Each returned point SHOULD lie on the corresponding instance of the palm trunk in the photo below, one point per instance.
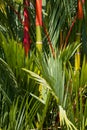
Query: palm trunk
(38, 24)
(78, 35)
(80, 9)
(26, 39)
(77, 54)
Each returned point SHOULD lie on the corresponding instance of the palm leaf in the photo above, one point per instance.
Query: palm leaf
(37, 78)
(5, 67)
(63, 118)
(22, 113)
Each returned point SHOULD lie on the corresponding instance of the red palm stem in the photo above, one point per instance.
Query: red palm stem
(26, 39)
(80, 9)
(38, 12)
(69, 32)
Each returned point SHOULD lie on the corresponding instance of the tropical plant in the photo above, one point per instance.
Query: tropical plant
(52, 80)
(8, 90)
(46, 89)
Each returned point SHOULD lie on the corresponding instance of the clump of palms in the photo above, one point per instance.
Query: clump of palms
(43, 84)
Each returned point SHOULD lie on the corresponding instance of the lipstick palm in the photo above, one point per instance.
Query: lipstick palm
(59, 17)
(80, 9)
(38, 24)
(26, 40)
(80, 15)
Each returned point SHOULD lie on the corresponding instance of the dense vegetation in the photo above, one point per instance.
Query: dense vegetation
(43, 64)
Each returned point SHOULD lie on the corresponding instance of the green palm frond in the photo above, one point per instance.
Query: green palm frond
(56, 20)
(65, 120)
(70, 50)
(8, 89)
(83, 79)
(60, 15)
(14, 53)
(38, 78)
(53, 78)
(4, 67)
(3, 23)
(10, 21)
(55, 75)
(22, 113)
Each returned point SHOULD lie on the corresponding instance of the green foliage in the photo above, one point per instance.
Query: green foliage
(42, 91)
(53, 79)
(22, 113)
(8, 89)
(76, 98)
